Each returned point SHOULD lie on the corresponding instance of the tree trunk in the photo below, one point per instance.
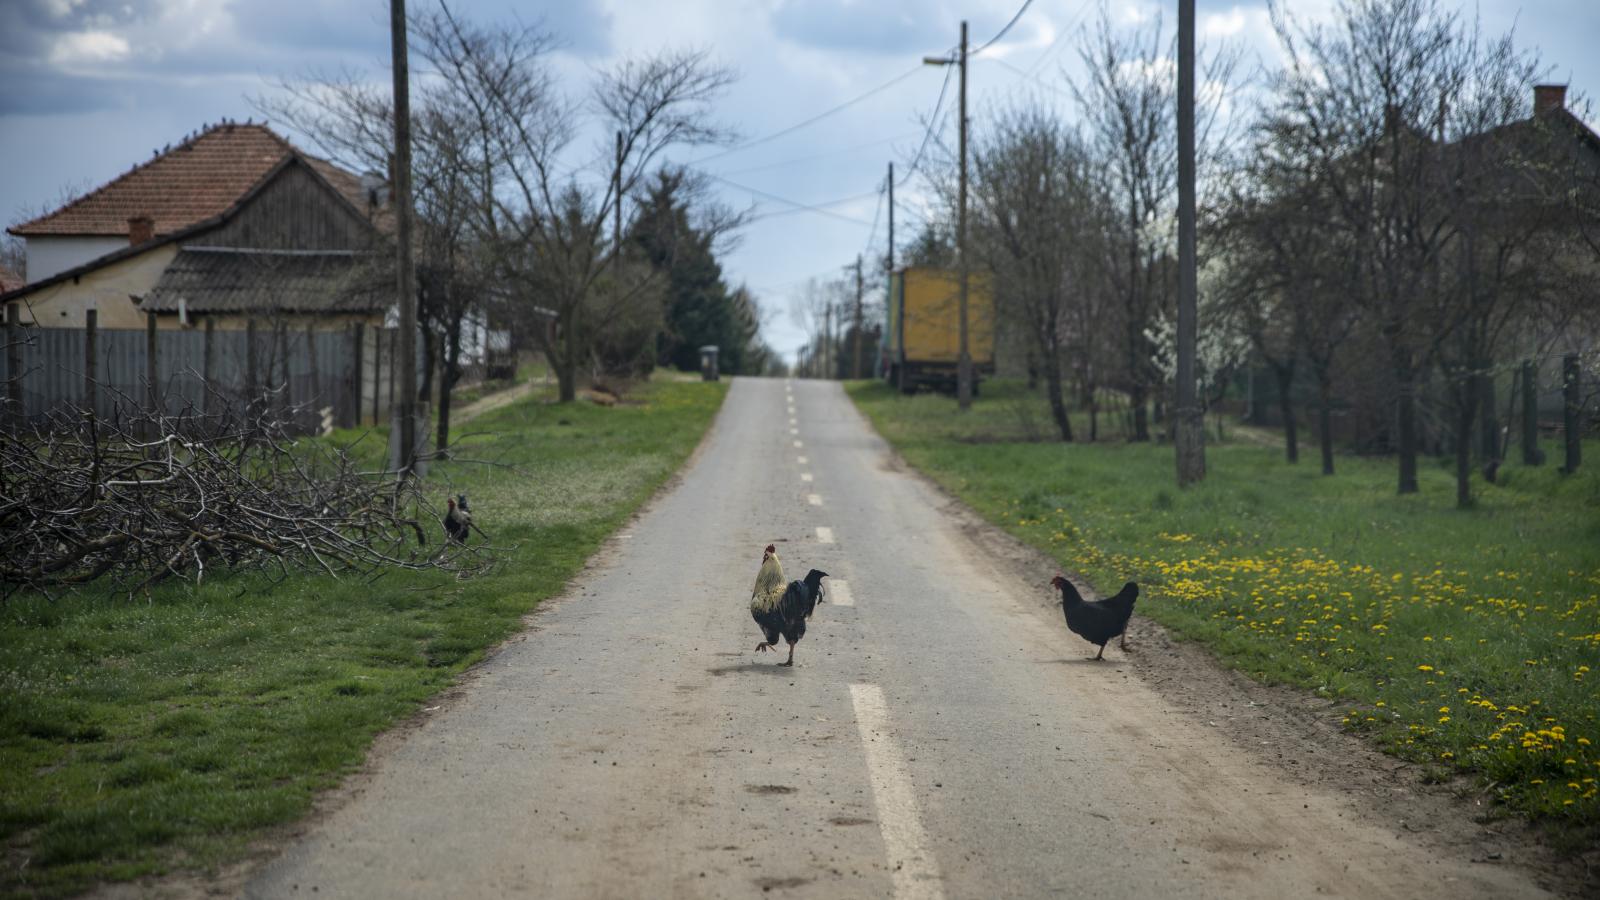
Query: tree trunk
(1489, 429)
(1291, 437)
(447, 381)
(1466, 406)
(1325, 419)
(1094, 414)
(1406, 426)
(430, 359)
(1141, 420)
(1058, 403)
(566, 366)
(1571, 377)
(1530, 415)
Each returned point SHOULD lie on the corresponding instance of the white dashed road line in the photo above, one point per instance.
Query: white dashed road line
(814, 499)
(806, 477)
(798, 444)
(824, 534)
(800, 459)
(838, 593)
(915, 873)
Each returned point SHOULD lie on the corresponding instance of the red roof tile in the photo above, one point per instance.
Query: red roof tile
(196, 180)
(9, 280)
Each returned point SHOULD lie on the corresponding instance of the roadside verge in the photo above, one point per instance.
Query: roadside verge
(143, 738)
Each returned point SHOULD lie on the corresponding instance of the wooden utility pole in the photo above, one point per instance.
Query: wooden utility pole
(151, 373)
(91, 356)
(616, 218)
(964, 364)
(964, 361)
(406, 403)
(855, 365)
(1188, 425)
(890, 265)
(14, 403)
(827, 338)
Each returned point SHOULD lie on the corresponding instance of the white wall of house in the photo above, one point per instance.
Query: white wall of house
(110, 289)
(58, 253)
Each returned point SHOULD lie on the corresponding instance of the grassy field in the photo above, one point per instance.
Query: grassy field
(1463, 640)
(140, 737)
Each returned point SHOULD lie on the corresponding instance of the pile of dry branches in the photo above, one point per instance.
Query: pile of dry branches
(138, 500)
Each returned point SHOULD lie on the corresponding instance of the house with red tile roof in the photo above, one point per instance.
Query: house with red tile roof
(232, 224)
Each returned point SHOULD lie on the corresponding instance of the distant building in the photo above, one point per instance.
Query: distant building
(233, 224)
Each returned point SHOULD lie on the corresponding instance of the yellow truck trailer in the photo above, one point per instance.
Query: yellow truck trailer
(922, 337)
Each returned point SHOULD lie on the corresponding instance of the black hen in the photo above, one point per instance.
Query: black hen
(458, 519)
(787, 618)
(1097, 621)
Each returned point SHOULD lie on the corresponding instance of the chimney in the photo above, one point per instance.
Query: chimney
(140, 230)
(1548, 98)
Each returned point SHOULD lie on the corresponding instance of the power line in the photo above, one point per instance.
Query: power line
(1071, 24)
(819, 208)
(1025, 5)
(816, 118)
(933, 122)
(823, 155)
(1031, 77)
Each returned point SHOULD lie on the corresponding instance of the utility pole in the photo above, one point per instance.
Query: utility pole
(827, 338)
(890, 267)
(888, 290)
(407, 405)
(1189, 428)
(616, 221)
(964, 361)
(855, 366)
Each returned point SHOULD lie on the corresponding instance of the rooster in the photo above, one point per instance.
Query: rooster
(458, 519)
(1097, 621)
(779, 610)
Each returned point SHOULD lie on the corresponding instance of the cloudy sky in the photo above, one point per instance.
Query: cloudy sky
(91, 87)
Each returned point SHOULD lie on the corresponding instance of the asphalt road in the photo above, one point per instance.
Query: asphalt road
(941, 734)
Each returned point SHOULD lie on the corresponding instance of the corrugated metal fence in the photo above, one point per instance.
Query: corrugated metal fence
(313, 374)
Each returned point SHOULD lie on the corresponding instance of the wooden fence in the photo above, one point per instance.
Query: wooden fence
(318, 378)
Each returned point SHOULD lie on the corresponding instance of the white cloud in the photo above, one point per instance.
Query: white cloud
(1225, 24)
(88, 47)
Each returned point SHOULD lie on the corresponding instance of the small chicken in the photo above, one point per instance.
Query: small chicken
(458, 519)
(1097, 621)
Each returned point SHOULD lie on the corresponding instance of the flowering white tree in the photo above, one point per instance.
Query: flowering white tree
(1223, 345)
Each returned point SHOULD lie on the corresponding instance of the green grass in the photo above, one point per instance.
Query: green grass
(1462, 639)
(140, 737)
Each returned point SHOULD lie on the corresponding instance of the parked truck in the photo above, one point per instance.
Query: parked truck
(922, 337)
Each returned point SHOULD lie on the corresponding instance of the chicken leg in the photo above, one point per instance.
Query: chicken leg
(1102, 654)
(790, 660)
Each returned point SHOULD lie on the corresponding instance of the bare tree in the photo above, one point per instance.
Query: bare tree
(554, 229)
(1356, 101)
(1033, 219)
(1128, 102)
(351, 119)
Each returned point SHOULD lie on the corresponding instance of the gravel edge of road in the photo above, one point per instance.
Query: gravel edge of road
(1296, 733)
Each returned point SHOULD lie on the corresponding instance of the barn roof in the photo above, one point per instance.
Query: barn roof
(199, 179)
(233, 280)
